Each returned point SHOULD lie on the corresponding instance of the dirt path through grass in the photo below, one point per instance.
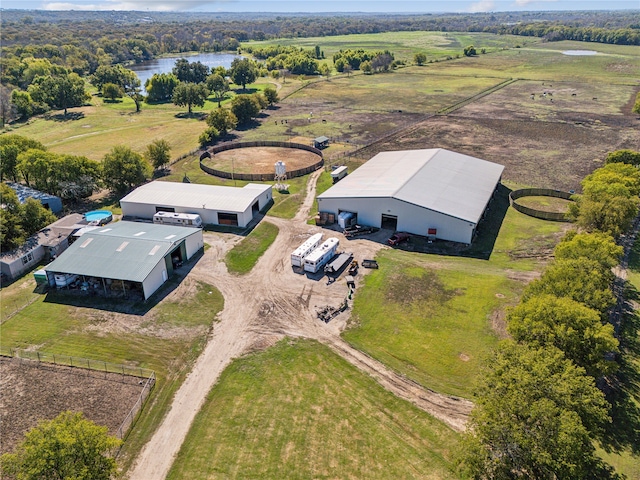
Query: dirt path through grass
(261, 308)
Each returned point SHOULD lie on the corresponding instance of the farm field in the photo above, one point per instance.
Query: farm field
(297, 410)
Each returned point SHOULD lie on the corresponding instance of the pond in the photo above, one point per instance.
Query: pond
(146, 70)
(578, 53)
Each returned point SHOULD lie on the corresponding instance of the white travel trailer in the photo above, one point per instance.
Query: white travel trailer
(321, 255)
(299, 254)
(180, 219)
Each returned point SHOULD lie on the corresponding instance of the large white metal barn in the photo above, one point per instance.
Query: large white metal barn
(433, 192)
(216, 205)
(125, 256)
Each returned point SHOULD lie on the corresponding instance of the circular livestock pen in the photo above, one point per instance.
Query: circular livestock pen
(544, 214)
(255, 161)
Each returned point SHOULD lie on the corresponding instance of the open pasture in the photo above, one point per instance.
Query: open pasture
(297, 410)
(614, 64)
(535, 153)
(436, 45)
(553, 101)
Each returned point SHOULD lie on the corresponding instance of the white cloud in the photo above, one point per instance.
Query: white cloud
(524, 3)
(131, 5)
(483, 6)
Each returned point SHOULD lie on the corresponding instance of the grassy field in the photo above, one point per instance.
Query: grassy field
(93, 130)
(167, 338)
(434, 318)
(436, 45)
(241, 258)
(297, 410)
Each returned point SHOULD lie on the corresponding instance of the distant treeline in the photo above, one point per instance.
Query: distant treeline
(139, 36)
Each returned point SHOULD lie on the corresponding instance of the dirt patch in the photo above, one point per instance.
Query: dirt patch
(261, 159)
(30, 393)
(499, 323)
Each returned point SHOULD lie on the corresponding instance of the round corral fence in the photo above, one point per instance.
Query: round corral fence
(312, 161)
(540, 192)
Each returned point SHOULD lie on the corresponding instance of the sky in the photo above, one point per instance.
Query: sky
(316, 6)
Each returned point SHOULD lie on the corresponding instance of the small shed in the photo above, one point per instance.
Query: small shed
(321, 142)
(50, 202)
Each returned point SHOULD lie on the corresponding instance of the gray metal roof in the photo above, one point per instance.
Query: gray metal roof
(441, 180)
(196, 196)
(121, 250)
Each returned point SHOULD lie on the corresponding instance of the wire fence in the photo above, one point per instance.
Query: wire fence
(93, 368)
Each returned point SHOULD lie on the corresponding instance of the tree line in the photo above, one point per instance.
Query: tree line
(82, 41)
(539, 411)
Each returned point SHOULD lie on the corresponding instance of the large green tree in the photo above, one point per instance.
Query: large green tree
(69, 447)
(583, 280)
(59, 91)
(573, 328)
(12, 145)
(245, 108)
(12, 233)
(158, 153)
(160, 87)
(243, 71)
(271, 95)
(218, 85)
(597, 246)
(190, 72)
(123, 169)
(536, 416)
(190, 94)
(222, 119)
(624, 156)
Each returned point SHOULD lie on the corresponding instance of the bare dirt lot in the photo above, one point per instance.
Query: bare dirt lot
(282, 303)
(261, 159)
(31, 392)
(535, 153)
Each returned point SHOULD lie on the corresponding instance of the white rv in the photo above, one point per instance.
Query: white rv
(321, 255)
(181, 219)
(299, 254)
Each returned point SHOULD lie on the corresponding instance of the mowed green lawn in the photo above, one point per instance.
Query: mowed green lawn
(298, 411)
(167, 339)
(244, 255)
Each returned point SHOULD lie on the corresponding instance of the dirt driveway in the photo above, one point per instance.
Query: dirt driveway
(281, 303)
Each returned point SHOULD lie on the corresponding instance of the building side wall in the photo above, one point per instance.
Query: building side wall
(155, 279)
(194, 243)
(208, 215)
(15, 266)
(411, 218)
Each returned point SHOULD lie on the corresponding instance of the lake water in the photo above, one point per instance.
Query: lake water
(146, 70)
(578, 53)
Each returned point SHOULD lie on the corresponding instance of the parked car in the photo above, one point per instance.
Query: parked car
(398, 238)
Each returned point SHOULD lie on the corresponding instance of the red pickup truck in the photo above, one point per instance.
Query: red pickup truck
(397, 238)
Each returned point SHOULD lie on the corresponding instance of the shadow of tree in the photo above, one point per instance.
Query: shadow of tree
(196, 115)
(623, 388)
(61, 117)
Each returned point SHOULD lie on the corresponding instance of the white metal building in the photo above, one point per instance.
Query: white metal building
(434, 192)
(125, 256)
(216, 205)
